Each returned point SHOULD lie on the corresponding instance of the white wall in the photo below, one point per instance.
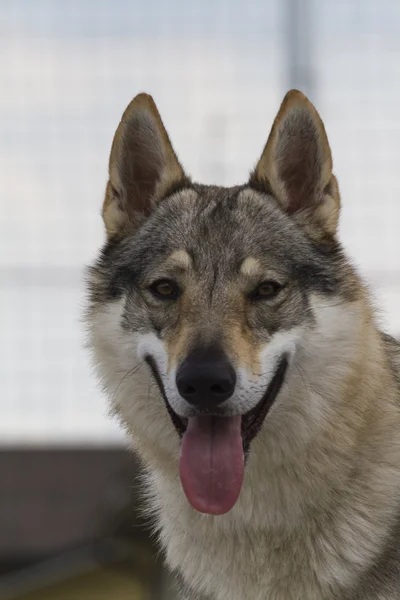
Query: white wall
(217, 72)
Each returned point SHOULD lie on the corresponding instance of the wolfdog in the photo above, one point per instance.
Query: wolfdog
(240, 350)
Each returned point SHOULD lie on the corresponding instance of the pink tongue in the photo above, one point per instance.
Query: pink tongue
(211, 465)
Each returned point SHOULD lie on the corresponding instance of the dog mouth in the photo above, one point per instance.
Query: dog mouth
(214, 447)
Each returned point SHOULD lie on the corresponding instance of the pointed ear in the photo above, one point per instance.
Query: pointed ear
(143, 168)
(296, 167)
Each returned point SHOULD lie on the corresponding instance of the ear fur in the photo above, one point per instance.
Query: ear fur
(143, 167)
(296, 167)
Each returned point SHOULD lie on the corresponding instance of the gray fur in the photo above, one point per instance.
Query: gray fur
(319, 512)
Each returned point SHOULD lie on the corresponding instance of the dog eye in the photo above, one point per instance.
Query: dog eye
(165, 289)
(266, 290)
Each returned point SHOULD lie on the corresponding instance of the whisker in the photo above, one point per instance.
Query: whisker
(333, 305)
(129, 373)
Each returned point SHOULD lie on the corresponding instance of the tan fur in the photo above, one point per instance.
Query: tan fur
(250, 267)
(178, 343)
(241, 345)
(180, 259)
(114, 218)
(350, 475)
(270, 536)
(321, 494)
(269, 169)
(142, 109)
(238, 342)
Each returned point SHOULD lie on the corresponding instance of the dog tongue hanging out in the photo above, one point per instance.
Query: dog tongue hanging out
(239, 350)
(211, 464)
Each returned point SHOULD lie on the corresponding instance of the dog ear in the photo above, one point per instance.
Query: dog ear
(296, 167)
(143, 168)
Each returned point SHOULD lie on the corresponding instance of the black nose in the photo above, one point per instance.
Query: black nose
(206, 378)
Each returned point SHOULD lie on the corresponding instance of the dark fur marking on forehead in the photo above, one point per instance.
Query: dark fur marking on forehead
(221, 199)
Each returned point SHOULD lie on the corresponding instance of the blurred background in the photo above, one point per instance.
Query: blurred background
(218, 69)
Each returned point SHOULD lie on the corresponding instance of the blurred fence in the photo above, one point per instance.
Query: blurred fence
(218, 71)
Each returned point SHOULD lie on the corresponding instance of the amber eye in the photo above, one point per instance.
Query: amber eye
(266, 290)
(165, 289)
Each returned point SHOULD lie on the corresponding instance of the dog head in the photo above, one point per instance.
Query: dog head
(202, 295)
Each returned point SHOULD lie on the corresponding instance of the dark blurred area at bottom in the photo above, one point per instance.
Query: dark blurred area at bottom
(70, 528)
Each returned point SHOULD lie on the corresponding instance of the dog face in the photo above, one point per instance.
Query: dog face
(206, 291)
